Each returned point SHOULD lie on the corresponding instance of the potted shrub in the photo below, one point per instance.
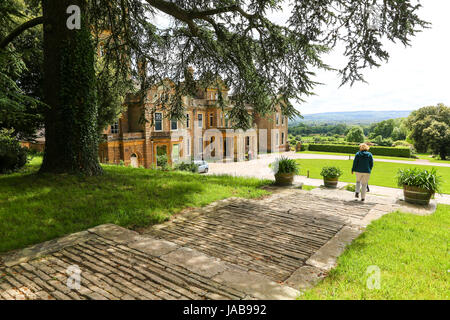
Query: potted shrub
(331, 176)
(419, 185)
(285, 169)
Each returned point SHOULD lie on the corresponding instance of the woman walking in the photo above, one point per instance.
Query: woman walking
(362, 167)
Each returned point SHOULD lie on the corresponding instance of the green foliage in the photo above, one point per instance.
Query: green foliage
(355, 134)
(285, 165)
(111, 88)
(381, 151)
(304, 147)
(20, 73)
(350, 187)
(430, 129)
(18, 111)
(421, 178)
(12, 155)
(186, 166)
(162, 161)
(331, 172)
(379, 140)
(383, 129)
(305, 129)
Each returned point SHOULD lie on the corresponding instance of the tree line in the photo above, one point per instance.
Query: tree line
(427, 129)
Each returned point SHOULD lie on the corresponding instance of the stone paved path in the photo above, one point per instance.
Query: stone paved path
(232, 249)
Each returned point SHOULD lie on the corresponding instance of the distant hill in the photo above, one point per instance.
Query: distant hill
(352, 117)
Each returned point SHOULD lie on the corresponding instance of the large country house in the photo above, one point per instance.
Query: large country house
(205, 132)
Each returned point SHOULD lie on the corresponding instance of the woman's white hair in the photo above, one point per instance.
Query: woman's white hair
(363, 147)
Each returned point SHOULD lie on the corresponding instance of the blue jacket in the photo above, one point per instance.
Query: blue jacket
(363, 162)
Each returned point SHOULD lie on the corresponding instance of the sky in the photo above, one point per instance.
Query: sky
(414, 76)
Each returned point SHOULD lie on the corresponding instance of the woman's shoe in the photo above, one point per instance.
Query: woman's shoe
(356, 195)
(363, 199)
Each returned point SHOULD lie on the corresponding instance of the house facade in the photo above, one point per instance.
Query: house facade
(205, 133)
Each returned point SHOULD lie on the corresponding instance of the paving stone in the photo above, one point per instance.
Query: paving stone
(195, 261)
(114, 232)
(305, 277)
(325, 257)
(42, 249)
(154, 247)
(256, 285)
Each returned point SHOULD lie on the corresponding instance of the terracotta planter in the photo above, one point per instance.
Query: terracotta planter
(284, 179)
(416, 195)
(330, 182)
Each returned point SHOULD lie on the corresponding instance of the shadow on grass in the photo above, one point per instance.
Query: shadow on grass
(36, 208)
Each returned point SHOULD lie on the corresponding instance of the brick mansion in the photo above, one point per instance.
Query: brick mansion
(204, 133)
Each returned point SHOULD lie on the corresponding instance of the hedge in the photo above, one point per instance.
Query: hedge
(379, 151)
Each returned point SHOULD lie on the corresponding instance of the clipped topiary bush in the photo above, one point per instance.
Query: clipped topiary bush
(379, 151)
(12, 155)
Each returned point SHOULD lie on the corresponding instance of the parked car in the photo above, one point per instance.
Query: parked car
(202, 165)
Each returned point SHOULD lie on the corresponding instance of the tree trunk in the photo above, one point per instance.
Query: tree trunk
(71, 135)
(443, 153)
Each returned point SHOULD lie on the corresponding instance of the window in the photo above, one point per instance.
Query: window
(277, 119)
(188, 146)
(211, 119)
(187, 120)
(158, 121)
(221, 119)
(226, 120)
(115, 128)
(282, 121)
(176, 152)
(200, 144)
(200, 120)
(277, 139)
(173, 125)
(282, 138)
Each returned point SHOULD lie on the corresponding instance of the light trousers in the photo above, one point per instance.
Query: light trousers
(362, 180)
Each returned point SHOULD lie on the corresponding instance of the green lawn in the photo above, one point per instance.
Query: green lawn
(347, 154)
(411, 252)
(383, 174)
(36, 208)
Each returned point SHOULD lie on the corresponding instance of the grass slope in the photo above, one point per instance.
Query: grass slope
(411, 252)
(36, 208)
(383, 173)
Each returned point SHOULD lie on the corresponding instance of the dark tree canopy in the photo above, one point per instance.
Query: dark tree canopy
(257, 58)
(262, 62)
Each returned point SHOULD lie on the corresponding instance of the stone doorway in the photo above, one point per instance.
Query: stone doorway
(134, 162)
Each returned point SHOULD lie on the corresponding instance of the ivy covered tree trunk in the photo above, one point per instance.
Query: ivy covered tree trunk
(71, 135)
